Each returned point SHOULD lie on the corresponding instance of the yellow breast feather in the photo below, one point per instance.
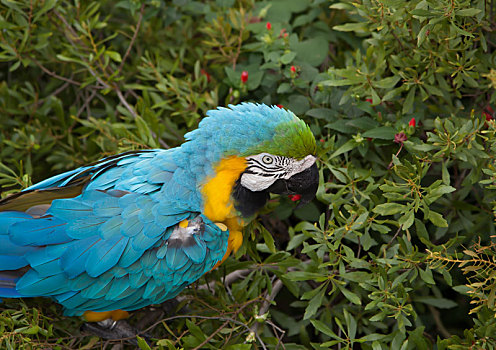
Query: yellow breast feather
(218, 204)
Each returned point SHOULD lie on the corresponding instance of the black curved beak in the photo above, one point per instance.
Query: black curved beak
(305, 184)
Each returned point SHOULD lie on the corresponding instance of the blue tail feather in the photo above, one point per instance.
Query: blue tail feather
(11, 254)
(8, 282)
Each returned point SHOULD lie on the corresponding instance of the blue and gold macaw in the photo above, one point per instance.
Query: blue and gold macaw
(136, 228)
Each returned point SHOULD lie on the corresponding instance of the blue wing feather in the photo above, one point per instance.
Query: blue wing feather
(104, 255)
(108, 248)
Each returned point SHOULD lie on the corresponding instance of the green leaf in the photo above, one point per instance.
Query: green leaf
(114, 55)
(426, 276)
(440, 303)
(445, 174)
(312, 51)
(355, 299)
(288, 57)
(239, 347)
(351, 27)
(346, 147)
(389, 208)
(437, 219)
(143, 345)
(424, 13)
(323, 328)
(195, 330)
(423, 34)
(387, 83)
(408, 104)
(268, 239)
(407, 220)
(382, 132)
(314, 304)
(441, 190)
(296, 241)
(470, 12)
(372, 337)
(421, 230)
(320, 113)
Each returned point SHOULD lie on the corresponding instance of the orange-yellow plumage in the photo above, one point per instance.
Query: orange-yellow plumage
(218, 204)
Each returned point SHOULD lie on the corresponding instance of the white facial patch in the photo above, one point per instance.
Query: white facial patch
(264, 169)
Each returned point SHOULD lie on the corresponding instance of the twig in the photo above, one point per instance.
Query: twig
(228, 279)
(124, 102)
(52, 74)
(211, 336)
(391, 164)
(266, 304)
(392, 239)
(133, 39)
(87, 100)
(55, 93)
(439, 322)
(221, 318)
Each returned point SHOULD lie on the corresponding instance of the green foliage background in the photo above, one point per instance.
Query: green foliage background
(398, 249)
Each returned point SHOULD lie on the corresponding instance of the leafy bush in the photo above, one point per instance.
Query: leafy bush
(397, 251)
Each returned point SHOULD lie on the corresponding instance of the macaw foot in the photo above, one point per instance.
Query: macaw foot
(111, 325)
(114, 330)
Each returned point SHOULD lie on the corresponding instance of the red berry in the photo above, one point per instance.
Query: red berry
(268, 26)
(412, 122)
(293, 69)
(244, 76)
(294, 197)
(369, 100)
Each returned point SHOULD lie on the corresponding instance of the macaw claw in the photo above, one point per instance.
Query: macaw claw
(114, 330)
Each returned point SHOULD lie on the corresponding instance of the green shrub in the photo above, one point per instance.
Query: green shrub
(397, 251)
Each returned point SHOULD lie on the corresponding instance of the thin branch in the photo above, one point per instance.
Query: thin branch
(85, 105)
(52, 74)
(392, 239)
(212, 335)
(55, 93)
(276, 287)
(439, 323)
(133, 39)
(220, 318)
(124, 102)
(228, 279)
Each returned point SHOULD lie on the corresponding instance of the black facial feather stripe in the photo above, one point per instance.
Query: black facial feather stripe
(248, 171)
(264, 170)
(265, 166)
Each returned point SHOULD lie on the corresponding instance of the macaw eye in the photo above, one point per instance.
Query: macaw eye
(267, 159)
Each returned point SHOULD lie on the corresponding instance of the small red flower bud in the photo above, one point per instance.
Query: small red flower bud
(268, 26)
(244, 76)
(369, 100)
(280, 106)
(293, 69)
(285, 35)
(487, 116)
(400, 137)
(322, 140)
(412, 122)
(205, 73)
(294, 197)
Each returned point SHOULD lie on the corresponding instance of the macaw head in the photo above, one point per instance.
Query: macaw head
(276, 149)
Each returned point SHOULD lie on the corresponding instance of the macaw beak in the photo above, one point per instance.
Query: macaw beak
(304, 183)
